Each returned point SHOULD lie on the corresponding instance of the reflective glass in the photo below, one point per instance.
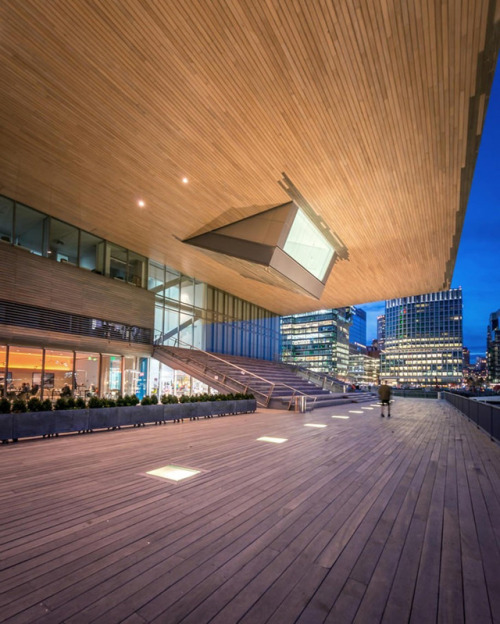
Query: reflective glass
(58, 374)
(307, 246)
(136, 273)
(3, 364)
(111, 375)
(63, 242)
(6, 217)
(117, 262)
(87, 374)
(29, 227)
(25, 372)
(91, 252)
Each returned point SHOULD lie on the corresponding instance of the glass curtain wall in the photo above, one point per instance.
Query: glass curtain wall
(58, 374)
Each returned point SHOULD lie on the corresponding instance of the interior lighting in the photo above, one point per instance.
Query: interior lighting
(185, 180)
(274, 440)
(141, 203)
(314, 425)
(173, 473)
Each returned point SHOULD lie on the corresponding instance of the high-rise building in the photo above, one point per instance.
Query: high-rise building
(423, 339)
(381, 331)
(357, 331)
(317, 340)
(466, 356)
(493, 347)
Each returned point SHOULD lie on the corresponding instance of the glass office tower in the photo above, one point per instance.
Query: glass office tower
(423, 340)
(317, 340)
(493, 348)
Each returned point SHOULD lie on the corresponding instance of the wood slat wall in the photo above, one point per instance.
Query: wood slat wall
(27, 278)
(374, 110)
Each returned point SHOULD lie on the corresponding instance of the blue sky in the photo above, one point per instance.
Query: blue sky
(477, 268)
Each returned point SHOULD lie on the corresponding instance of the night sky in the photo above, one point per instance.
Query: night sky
(477, 268)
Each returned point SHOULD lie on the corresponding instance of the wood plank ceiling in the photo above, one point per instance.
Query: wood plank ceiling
(373, 109)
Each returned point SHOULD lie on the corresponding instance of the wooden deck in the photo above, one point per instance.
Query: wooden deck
(367, 520)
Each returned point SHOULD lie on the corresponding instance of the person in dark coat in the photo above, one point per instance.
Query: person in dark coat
(384, 394)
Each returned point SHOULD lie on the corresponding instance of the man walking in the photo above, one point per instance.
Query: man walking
(384, 394)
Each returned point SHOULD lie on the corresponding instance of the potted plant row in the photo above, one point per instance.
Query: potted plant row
(21, 419)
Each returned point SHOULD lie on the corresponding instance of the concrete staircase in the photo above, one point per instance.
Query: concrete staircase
(275, 385)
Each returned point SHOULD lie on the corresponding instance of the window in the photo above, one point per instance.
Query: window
(63, 242)
(29, 229)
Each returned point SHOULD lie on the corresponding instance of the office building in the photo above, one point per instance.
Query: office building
(381, 331)
(357, 330)
(318, 341)
(493, 348)
(423, 340)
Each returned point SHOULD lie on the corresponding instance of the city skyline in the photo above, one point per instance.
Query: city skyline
(478, 259)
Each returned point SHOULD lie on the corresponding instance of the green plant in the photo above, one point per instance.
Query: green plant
(34, 405)
(46, 406)
(95, 402)
(154, 399)
(121, 401)
(80, 403)
(134, 400)
(184, 399)
(70, 403)
(146, 400)
(61, 404)
(4, 406)
(109, 403)
(19, 406)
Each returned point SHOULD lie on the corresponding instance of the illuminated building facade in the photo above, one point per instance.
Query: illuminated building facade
(357, 331)
(317, 340)
(381, 331)
(423, 339)
(493, 348)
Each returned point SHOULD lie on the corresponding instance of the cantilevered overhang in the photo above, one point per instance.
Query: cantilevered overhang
(374, 112)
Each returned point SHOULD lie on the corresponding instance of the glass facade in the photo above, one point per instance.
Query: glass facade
(423, 340)
(493, 347)
(318, 341)
(357, 331)
(189, 313)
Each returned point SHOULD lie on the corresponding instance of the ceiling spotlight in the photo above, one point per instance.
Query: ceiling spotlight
(141, 203)
(185, 180)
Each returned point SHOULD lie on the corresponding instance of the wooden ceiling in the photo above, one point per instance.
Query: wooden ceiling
(373, 109)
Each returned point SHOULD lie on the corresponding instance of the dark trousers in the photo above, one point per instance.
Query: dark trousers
(388, 403)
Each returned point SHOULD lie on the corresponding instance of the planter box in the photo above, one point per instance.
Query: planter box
(32, 424)
(65, 421)
(6, 426)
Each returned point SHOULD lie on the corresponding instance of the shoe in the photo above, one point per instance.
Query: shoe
(388, 415)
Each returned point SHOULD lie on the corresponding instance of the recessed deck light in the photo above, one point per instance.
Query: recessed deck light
(141, 203)
(343, 417)
(173, 473)
(355, 412)
(275, 440)
(314, 425)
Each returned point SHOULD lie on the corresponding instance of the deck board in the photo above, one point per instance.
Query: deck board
(368, 520)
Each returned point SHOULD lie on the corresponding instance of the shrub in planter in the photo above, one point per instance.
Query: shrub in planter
(109, 403)
(34, 405)
(184, 399)
(80, 403)
(122, 401)
(154, 400)
(46, 406)
(94, 402)
(61, 404)
(70, 403)
(19, 406)
(146, 400)
(134, 400)
(4, 406)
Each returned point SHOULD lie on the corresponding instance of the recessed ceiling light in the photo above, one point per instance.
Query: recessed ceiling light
(141, 203)
(185, 180)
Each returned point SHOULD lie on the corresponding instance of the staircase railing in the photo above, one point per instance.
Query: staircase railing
(322, 379)
(216, 372)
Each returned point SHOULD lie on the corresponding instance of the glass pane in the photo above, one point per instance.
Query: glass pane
(87, 374)
(136, 269)
(25, 372)
(156, 278)
(111, 376)
(117, 262)
(172, 284)
(91, 252)
(132, 375)
(29, 229)
(307, 246)
(200, 290)
(6, 216)
(3, 363)
(58, 374)
(187, 291)
(63, 242)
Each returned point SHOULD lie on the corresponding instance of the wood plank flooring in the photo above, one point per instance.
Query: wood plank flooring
(366, 520)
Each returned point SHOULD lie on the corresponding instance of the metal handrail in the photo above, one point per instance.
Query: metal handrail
(236, 381)
(295, 392)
